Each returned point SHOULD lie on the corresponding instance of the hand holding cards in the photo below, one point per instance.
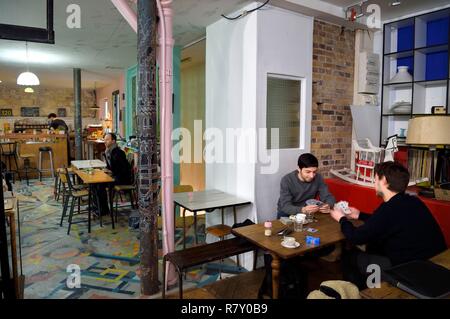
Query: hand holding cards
(343, 206)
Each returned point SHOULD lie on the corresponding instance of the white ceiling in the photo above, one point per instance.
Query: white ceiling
(106, 45)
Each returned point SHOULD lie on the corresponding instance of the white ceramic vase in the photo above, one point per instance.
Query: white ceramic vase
(402, 75)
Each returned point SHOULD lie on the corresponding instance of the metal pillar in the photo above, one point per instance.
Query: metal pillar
(149, 177)
(77, 121)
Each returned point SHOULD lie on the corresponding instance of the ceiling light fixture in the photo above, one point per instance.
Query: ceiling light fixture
(395, 3)
(27, 78)
(29, 90)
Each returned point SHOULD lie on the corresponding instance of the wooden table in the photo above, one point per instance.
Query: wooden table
(97, 177)
(84, 164)
(387, 291)
(208, 201)
(12, 213)
(329, 232)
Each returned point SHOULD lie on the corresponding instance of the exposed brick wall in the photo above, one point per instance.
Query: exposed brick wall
(47, 99)
(333, 68)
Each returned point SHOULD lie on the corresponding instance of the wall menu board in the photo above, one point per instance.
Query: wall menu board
(6, 112)
(29, 111)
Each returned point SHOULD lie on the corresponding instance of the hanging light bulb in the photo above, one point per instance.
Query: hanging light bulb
(29, 90)
(27, 78)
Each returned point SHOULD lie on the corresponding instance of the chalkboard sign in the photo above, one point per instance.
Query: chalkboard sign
(62, 112)
(29, 111)
(6, 112)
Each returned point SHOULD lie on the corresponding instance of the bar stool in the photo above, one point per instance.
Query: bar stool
(220, 231)
(9, 151)
(26, 165)
(43, 150)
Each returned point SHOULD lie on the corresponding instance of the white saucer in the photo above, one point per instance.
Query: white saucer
(297, 244)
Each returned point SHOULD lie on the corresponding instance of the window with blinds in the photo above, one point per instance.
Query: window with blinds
(283, 110)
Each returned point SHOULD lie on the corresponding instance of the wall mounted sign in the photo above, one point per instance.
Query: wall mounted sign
(29, 111)
(6, 112)
(62, 112)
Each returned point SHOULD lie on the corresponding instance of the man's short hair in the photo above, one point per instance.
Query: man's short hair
(397, 176)
(307, 160)
(113, 136)
(51, 115)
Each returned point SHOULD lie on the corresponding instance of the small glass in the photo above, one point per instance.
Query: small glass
(309, 217)
(298, 225)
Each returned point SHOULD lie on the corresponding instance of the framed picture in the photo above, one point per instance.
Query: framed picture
(6, 112)
(29, 111)
(61, 112)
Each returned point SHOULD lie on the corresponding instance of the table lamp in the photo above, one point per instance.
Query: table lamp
(430, 131)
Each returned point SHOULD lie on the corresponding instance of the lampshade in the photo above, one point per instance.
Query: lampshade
(29, 90)
(27, 78)
(429, 130)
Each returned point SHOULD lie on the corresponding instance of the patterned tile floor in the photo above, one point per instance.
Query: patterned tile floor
(108, 259)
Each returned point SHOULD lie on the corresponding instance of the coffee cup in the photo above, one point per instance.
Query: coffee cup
(289, 241)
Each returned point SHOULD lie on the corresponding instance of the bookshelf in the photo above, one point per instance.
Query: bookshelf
(421, 44)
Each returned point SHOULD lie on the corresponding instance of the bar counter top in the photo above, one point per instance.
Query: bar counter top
(29, 144)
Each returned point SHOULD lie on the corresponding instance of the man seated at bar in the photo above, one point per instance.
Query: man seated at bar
(56, 123)
(117, 163)
(302, 184)
(401, 229)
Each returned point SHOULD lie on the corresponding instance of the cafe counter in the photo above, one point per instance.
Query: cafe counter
(30, 144)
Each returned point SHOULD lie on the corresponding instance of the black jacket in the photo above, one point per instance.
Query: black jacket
(402, 229)
(120, 167)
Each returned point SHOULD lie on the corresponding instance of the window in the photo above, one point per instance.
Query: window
(283, 110)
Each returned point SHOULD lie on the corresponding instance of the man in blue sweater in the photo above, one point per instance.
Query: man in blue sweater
(401, 229)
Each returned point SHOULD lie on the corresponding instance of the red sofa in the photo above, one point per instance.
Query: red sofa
(365, 199)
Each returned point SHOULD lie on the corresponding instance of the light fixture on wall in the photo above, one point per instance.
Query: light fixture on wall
(355, 11)
(29, 90)
(95, 106)
(27, 78)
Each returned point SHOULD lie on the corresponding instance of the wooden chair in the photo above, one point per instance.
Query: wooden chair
(182, 189)
(126, 189)
(61, 187)
(75, 195)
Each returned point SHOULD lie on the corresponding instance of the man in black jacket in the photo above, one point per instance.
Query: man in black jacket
(401, 229)
(117, 163)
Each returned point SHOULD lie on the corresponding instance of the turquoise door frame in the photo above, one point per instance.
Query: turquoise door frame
(131, 74)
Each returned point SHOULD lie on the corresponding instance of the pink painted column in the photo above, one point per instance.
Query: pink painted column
(166, 43)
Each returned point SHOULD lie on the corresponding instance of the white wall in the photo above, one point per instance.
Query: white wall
(231, 103)
(239, 54)
(285, 42)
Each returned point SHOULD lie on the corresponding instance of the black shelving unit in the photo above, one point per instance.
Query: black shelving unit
(422, 43)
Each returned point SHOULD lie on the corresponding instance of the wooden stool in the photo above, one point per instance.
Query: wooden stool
(220, 231)
(26, 165)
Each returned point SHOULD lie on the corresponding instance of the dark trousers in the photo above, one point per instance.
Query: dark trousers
(355, 263)
(100, 191)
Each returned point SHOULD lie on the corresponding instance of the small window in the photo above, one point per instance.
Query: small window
(283, 110)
